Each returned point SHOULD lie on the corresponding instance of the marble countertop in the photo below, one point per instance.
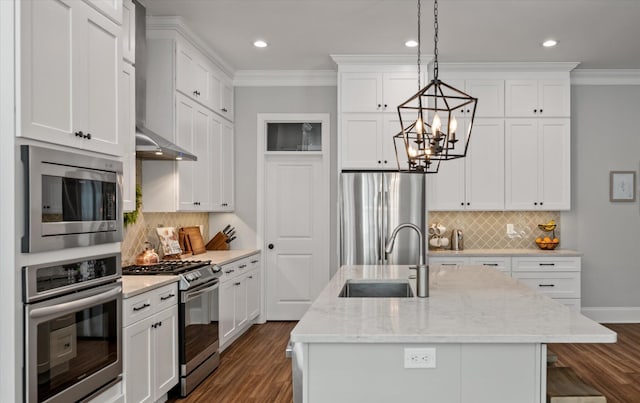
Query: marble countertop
(467, 304)
(504, 252)
(134, 285)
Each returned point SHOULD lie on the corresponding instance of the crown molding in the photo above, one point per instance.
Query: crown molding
(285, 78)
(510, 67)
(177, 24)
(380, 59)
(605, 77)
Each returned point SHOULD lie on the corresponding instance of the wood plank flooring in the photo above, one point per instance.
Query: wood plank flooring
(254, 369)
(613, 369)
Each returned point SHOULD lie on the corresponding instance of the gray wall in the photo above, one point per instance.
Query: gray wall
(249, 101)
(605, 136)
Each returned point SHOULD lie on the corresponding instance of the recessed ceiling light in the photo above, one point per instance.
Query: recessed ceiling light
(549, 43)
(260, 44)
(411, 43)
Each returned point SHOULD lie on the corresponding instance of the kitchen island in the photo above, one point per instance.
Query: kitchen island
(481, 337)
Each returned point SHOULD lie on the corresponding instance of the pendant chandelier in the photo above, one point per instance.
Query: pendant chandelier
(424, 145)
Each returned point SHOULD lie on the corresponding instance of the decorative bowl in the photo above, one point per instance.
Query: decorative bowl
(548, 245)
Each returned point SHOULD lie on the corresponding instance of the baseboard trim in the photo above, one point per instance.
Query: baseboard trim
(615, 314)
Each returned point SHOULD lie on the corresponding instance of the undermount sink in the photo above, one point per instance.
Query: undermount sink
(376, 289)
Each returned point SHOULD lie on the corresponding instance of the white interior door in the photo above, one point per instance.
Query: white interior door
(293, 210)
(296, 234)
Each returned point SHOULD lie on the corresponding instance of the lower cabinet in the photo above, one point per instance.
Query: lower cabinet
(240, 297)
(150, 345)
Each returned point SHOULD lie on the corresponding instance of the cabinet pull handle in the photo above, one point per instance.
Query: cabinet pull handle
(167, 297)
(250, 277)
(242, 266)
(229, 271)
(448, 264)
(154, 325)
(139, 308)
(224, 110)
(546, 285)
(546, 264)
(254, 261)
(490, 264)
(236, 283)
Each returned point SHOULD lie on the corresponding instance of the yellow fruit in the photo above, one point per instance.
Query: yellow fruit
(538, 240)
(556, 240)
(547, 239)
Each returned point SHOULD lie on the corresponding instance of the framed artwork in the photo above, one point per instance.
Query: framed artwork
(622, 186)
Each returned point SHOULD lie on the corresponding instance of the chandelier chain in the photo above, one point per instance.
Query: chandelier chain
(419, 45)
(435, 39)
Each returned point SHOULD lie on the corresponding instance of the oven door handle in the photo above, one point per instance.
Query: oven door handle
(188, 296)
(72, 306)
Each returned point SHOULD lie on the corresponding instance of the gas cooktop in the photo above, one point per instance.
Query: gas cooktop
(166, 267)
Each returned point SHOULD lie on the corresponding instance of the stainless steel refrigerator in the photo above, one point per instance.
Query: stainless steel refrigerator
(372, 205)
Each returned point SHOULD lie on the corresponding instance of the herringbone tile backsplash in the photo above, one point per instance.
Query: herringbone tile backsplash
(488, 229)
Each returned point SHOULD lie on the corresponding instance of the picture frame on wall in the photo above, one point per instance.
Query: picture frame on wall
(622, 186)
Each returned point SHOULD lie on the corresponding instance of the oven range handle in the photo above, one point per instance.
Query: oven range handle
(72, 306)
(189, 295)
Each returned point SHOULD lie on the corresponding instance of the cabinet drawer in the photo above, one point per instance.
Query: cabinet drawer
(254, 261)
(573, 303)
(500, 263)
(447, 261)
(231, 270)
(165, 297)
(137, 308)
(554, 285)
(546, 264)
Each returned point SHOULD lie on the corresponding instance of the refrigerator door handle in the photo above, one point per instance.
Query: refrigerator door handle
(379, 210)
(385, 224)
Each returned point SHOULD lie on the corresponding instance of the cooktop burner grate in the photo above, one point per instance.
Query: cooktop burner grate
(166, 267)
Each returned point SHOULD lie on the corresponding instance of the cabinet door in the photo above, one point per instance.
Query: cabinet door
(49, 65)
(521, 98)
(521, 164)
(398, 88)
(226, 100)
(217, 164)
(110, 8)
(447, 187)
(361, 92)
(227, 310)
(554, 98)
(240, 285)
(137, 356)
(201, 169)
(253, 294)
(360, 147)
(491, 96)
(185, 118)
(555, 163)
(128, 139)
(129, 31)
(391, 127)
(98, 115)
(185, 62)
(201, 86)
(228, 169)
(484, 165)
(166, 350)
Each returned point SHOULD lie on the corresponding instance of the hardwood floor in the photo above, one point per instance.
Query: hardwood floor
(255, 370)
(613, 369)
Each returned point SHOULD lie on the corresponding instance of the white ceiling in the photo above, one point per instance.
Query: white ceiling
(600, 34)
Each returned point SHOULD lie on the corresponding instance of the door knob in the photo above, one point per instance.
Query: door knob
(270, 246)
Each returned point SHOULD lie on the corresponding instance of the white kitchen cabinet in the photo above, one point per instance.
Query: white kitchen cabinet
(222, 95)
(193, 133)
(475, 182)
(128, 31)
(376, 91)
(367, 141)
(193, 74)
(71, 64)
(110, 8)
(537, 164)
(150, 344)
(489, 92)
(500, 263)
(128, 129)
(240, 298)
(557, 277)
(223, 171)
(538, 98)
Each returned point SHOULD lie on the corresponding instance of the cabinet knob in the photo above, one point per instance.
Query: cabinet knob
(379, 105)
(462, 203)
(468, 204)
(541, 203)
(270, 246)
(385, 105)
(468, 110)
(88, 136)
(535, 203)
(79, 134)
(461, 110)
(224, 110)
(540, 110)
(385, 161)
(236, 283)
(535, 111)
(379, 162)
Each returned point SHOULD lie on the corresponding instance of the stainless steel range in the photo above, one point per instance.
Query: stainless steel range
(198, 316)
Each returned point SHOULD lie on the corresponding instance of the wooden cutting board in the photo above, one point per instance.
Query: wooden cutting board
(195, 240)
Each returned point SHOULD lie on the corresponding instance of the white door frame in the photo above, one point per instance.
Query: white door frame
(263, 119)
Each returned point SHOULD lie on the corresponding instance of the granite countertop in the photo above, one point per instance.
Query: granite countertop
(135, 285)
(504, 252)
(466, 305)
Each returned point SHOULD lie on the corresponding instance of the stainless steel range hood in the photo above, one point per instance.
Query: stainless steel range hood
(149, 144)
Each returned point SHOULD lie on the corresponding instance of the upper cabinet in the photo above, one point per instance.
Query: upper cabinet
(490, 93)
(110, 8)
(375, 91)
(193, 74)
(70, 75)
(128, 31)
(538, 98)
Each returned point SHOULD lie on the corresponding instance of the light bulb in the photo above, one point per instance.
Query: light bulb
(419, 125)
(412, 152)
(453, 125)
(436, 124)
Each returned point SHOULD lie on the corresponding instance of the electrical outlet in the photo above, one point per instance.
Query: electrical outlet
(419, 357)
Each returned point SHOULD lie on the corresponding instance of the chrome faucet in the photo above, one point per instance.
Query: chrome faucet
(422, 278)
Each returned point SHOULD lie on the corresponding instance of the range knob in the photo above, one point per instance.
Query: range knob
(189, 276)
